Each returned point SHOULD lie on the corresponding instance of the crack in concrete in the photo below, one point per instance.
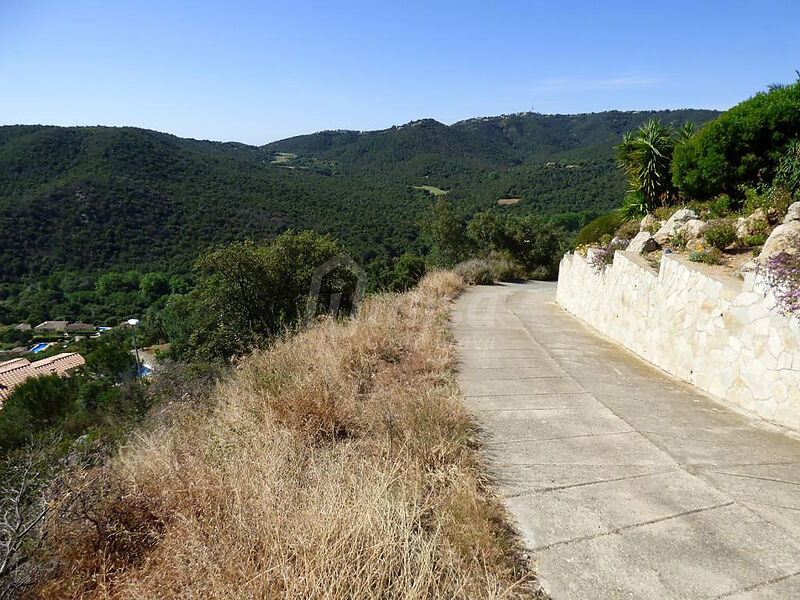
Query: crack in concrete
(565, 437)
(757, 586)
(519, 378)
(618, 530)
(557, 488)
(759, 503)
(756, 477)
(526, 394)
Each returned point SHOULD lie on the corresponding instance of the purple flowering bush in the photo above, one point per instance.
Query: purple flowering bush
(781, 273)
(603, 256)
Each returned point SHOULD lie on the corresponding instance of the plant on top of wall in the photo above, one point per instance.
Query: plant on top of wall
(599, 258)
(708, 256)
(781, 274)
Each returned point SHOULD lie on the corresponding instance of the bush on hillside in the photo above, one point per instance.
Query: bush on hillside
(781, 273)
(395, 275)
(475, 271)
(534, 244)
(628, 230)
(708, 256)
(788, 175)
(504, 268)
(247, 294)
(721, 234)
(743, 146)
(595, 230)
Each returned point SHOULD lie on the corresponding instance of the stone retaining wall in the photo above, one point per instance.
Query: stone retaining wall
(717, 333)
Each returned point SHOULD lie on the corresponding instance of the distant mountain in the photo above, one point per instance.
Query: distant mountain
(98, 198)
(489, 142)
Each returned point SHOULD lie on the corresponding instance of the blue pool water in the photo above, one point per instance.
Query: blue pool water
(38, 348)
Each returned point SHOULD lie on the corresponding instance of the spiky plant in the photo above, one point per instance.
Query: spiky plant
(646, 156)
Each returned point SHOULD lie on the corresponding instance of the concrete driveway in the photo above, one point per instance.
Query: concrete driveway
(624, 482)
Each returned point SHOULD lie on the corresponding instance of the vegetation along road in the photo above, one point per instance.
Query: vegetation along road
(624, 482)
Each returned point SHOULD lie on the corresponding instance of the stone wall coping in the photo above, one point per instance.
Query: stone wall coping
(729, 281)
(636, 259)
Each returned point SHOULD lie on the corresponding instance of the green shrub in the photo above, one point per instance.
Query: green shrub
(475, 271)
(743, 146)
(248, 293)
(504, 268)
(627, 231)
(528, 241)
(788, 175)
(634, 206)
(774, 202)
(663, 213)
(757, 239)
(678, 241)
(605, 225)
(721, 235)
(720, 207)
(709, 256)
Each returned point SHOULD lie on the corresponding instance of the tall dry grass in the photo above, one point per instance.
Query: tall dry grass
(339, 464)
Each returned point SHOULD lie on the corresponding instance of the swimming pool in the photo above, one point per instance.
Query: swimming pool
(38, 348)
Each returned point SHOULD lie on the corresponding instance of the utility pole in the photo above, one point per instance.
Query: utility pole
(133, 323)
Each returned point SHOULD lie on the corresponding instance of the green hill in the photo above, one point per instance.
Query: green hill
(89, 199)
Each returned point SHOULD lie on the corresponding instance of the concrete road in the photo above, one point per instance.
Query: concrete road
(624, 481)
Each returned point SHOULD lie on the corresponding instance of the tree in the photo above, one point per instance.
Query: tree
(153, 286)
(533, 243)
(741, 147)
(112, 360)
(646, 157)
(449, 245)
(247, 293)
(35, 405)
(408, 270)
(23, 507)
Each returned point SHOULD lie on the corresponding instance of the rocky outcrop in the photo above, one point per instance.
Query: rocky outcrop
(673, 224)
(749, 225)
(693, 229)
(648, 223)
(784, 238)
(793, 214)
(643, 242)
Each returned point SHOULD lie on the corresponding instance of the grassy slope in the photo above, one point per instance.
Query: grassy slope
(340, 464)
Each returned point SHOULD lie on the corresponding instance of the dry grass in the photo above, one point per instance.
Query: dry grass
(339, 464)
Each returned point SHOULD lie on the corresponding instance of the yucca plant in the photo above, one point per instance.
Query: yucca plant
(646, 156)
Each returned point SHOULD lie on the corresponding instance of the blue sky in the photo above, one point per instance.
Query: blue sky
(259, 71)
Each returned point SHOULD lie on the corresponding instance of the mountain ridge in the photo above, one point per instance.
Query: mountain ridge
(93, 198)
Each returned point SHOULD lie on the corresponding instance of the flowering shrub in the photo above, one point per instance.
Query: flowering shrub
(603, 256)
(781, 273)
(709, 256)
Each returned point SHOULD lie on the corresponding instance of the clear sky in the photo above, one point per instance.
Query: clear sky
(258, 71)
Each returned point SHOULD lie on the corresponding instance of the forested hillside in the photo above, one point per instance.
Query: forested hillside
(554, 164)
(97, 198)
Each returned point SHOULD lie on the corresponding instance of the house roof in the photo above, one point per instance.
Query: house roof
(52, 324)
(16, 371)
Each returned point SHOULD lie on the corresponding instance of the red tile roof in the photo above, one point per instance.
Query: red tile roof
(16, 371)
